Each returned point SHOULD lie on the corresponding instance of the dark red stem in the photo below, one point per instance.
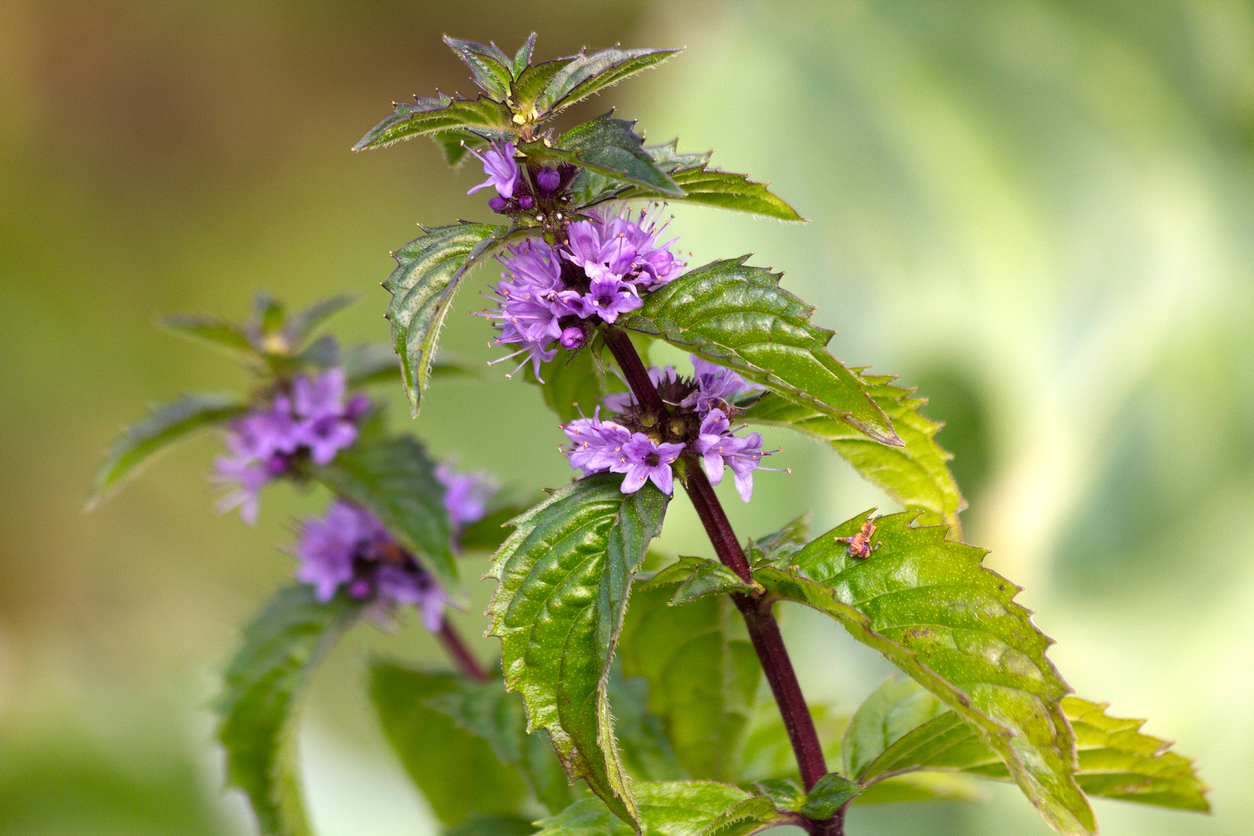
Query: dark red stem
(461, 654)
(763, 628)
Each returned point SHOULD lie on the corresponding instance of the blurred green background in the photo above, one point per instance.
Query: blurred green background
(1040, 213)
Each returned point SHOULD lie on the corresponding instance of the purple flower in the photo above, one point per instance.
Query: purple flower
(499, 165)
(619, 401)
(466, 497)
(350, 548)
(597, 446)
(717, 447)
(624, 247)
(262, 443)
(607, 297)
(715, 386)
(548, 180)
(645, 459)
(527, 303)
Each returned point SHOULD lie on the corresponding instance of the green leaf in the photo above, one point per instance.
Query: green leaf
(922, 786)
(372, 363)
(489, 67)
(458, 770)
(323, 352)
(1115, 759)
(829, 794)
(740, 317)
(263, 685)
(480, 825)
(916, 474)
(582, 75)
(220, 334)
(164, 425)
(779, 546)
(674, 808)
(429, 270)
(702, 671)
(698, 577)
(442, 112)
(784, 793)
(298, 329)
(564, 575)
(523, 56)
(892, 710)
(929, 607)
(724, 189)
(610, 148)
(669, 158)
(574, 382)
(394, 479)
(642, 740)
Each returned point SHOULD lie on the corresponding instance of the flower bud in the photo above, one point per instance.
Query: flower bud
(498, 204)
(572, 337)
(548, 180)
(526, 201)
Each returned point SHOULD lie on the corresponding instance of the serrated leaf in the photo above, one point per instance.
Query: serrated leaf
(222, 335)
(916, 474)
(582, 75)
(674, 808)
(929, 607)
(669, 157)
(702, 671)
(739, 317)
(1115, 759)
(564, 576)
(829, 794)
(263, 684)
(724, 189)
(436, 114)
(458, 771)
(164, 425)
(298, 329)
(429, 270)
(394, 479)
(609, 147)
(489, 67)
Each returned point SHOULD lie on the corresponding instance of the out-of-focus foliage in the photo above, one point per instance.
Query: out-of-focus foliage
(1041, 205)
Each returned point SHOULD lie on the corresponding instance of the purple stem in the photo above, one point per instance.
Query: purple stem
(763, 628)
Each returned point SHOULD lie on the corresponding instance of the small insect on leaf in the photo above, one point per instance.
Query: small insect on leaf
(860, 543)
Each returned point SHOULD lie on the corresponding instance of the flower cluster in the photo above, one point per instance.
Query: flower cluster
(310, 419)
(348, 547)
(542, 188)
(549, 294)
(643, 449)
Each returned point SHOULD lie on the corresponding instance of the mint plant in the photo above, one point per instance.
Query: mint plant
(631, 701)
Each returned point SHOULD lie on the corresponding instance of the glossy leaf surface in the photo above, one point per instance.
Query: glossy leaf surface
(915, 474)
(723, 189)
(696, 577)
(929, 607)
(489, 67)
(702, 671)
(564, 576)
(164, 425)
(549, 87)
(429, 270)
(674, 808)
(394, 479)
(262, 686)
(439, 113)
(1115, 759)
(739, 317)
(609, 147)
